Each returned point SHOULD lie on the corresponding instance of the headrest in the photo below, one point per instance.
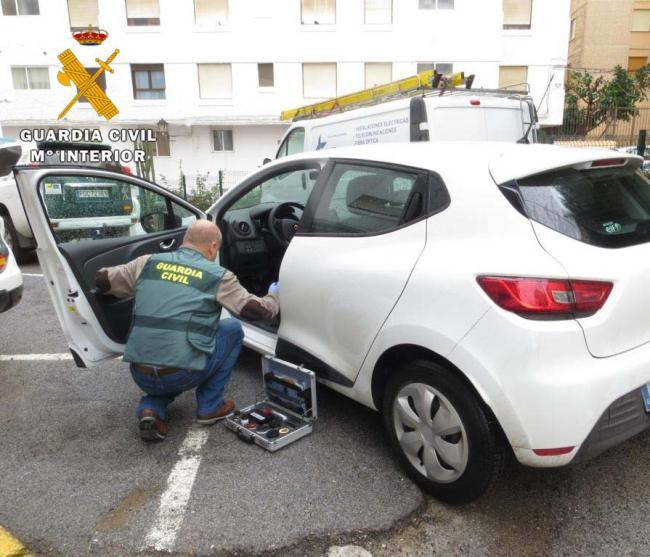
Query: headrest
(366, 192)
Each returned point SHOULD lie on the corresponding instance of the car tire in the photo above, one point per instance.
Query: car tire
(442, 433)
(22, 255)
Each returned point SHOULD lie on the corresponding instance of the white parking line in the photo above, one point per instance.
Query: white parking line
(30, 357)
(31, 275)
(173, 501)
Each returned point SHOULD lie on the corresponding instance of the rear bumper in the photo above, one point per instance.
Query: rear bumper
(623, 419)
(10, 298)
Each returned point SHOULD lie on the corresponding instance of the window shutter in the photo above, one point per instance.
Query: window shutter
(83, 13)
(142, 9)
(319, 80)
(379, 12)
(378, 73)
(322, 12)
(517, 13)
(512, 75)
(641, 20)
(215, 81)
(211, 12)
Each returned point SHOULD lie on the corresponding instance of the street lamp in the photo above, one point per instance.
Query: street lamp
(162, 138)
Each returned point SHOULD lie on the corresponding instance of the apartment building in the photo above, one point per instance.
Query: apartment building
(212, 76)
(604, 34)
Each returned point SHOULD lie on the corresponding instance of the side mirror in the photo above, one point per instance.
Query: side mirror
(9, 156)
(266, 160)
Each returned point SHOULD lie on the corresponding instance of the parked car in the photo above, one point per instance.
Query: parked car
(11, 279)
(99, 207)
(485, 307)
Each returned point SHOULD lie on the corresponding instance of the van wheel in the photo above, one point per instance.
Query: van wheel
(22, 255)
(441, 432)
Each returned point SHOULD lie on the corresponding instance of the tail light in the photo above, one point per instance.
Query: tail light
(127, 208)
(543, 297)
(126, 170)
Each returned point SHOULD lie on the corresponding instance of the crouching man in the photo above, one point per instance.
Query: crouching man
(177, 341)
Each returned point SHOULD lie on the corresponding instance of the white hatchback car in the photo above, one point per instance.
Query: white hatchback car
(11, 279)
(481, 296)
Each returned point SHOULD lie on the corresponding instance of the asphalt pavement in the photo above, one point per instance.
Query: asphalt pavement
(75, 479)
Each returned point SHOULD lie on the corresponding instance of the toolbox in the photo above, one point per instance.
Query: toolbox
(287, 411)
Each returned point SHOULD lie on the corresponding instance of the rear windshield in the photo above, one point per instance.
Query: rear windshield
(607, 208)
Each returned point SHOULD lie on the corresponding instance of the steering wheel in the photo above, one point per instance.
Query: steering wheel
(283, 227)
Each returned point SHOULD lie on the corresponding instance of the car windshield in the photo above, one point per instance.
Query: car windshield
(607, 208)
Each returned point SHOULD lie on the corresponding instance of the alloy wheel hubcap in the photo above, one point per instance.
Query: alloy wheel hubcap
(430, 432)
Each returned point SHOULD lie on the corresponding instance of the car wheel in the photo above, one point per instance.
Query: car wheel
(441, 432)
(11, 238)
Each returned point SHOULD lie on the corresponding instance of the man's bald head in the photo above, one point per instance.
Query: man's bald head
(203, 236)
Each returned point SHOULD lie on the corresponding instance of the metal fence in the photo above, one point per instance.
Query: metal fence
(207, 187)
(599, 126)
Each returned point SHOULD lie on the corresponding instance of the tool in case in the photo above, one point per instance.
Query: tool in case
(288, 411)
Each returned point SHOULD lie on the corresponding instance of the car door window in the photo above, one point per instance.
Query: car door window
(293, 185)
(365, 199)
(294, 143)
(82, 207)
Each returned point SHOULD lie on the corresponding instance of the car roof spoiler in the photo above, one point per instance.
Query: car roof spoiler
(9, 156)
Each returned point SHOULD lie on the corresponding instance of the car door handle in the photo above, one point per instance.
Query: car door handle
(166, 246)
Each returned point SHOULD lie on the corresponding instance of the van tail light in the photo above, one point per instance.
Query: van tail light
(126, 170)
(3, 260)
(545, 297)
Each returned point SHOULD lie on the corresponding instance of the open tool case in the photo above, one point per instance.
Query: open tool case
(286, 414)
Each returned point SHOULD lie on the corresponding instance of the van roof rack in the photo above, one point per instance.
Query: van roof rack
(425, 83)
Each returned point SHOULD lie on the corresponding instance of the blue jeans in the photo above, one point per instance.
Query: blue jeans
(210, 383)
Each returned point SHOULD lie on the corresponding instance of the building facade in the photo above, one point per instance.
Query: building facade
(606, 33)
(212, 76)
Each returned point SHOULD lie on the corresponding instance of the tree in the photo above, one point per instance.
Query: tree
(591, 101)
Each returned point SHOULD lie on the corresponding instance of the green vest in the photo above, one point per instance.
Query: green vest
(176, 315)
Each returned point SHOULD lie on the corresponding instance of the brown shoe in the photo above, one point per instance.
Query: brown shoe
(219, 414)
(152, 428)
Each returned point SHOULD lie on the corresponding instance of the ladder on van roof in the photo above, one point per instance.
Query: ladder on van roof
(427, 82)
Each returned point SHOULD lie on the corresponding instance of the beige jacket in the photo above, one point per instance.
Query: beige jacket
(120, 281)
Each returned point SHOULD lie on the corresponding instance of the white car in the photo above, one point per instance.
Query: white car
(483, 297)
(11, 279)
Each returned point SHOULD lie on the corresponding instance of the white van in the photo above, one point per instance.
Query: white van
(460, 114)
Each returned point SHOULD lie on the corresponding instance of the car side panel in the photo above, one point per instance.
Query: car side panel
(11, 200)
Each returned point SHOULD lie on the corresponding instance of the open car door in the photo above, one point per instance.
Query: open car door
(84, 219)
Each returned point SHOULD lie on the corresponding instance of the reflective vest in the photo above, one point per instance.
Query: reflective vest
(176, 315)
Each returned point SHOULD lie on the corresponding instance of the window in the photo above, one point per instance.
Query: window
(293, 143)
(86, 208)
(148, 81)
(292, 185)
(378, 12)
(20, 7)
(142, 12)
(211, 12)
(572, 31)
(607, 208)
(265, 76)
(319, 81)
(436, 4)
(635, 63)
(378, 73)
(517, 14)
(83, 13)
(318, 12)
(641, 20)
(222, 140)
(445, 68)
(30, 78)
(215, 81)
(361, 199)
(101, 81)
(510, 76)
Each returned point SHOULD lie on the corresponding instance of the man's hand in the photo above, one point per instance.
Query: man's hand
(274, 289)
